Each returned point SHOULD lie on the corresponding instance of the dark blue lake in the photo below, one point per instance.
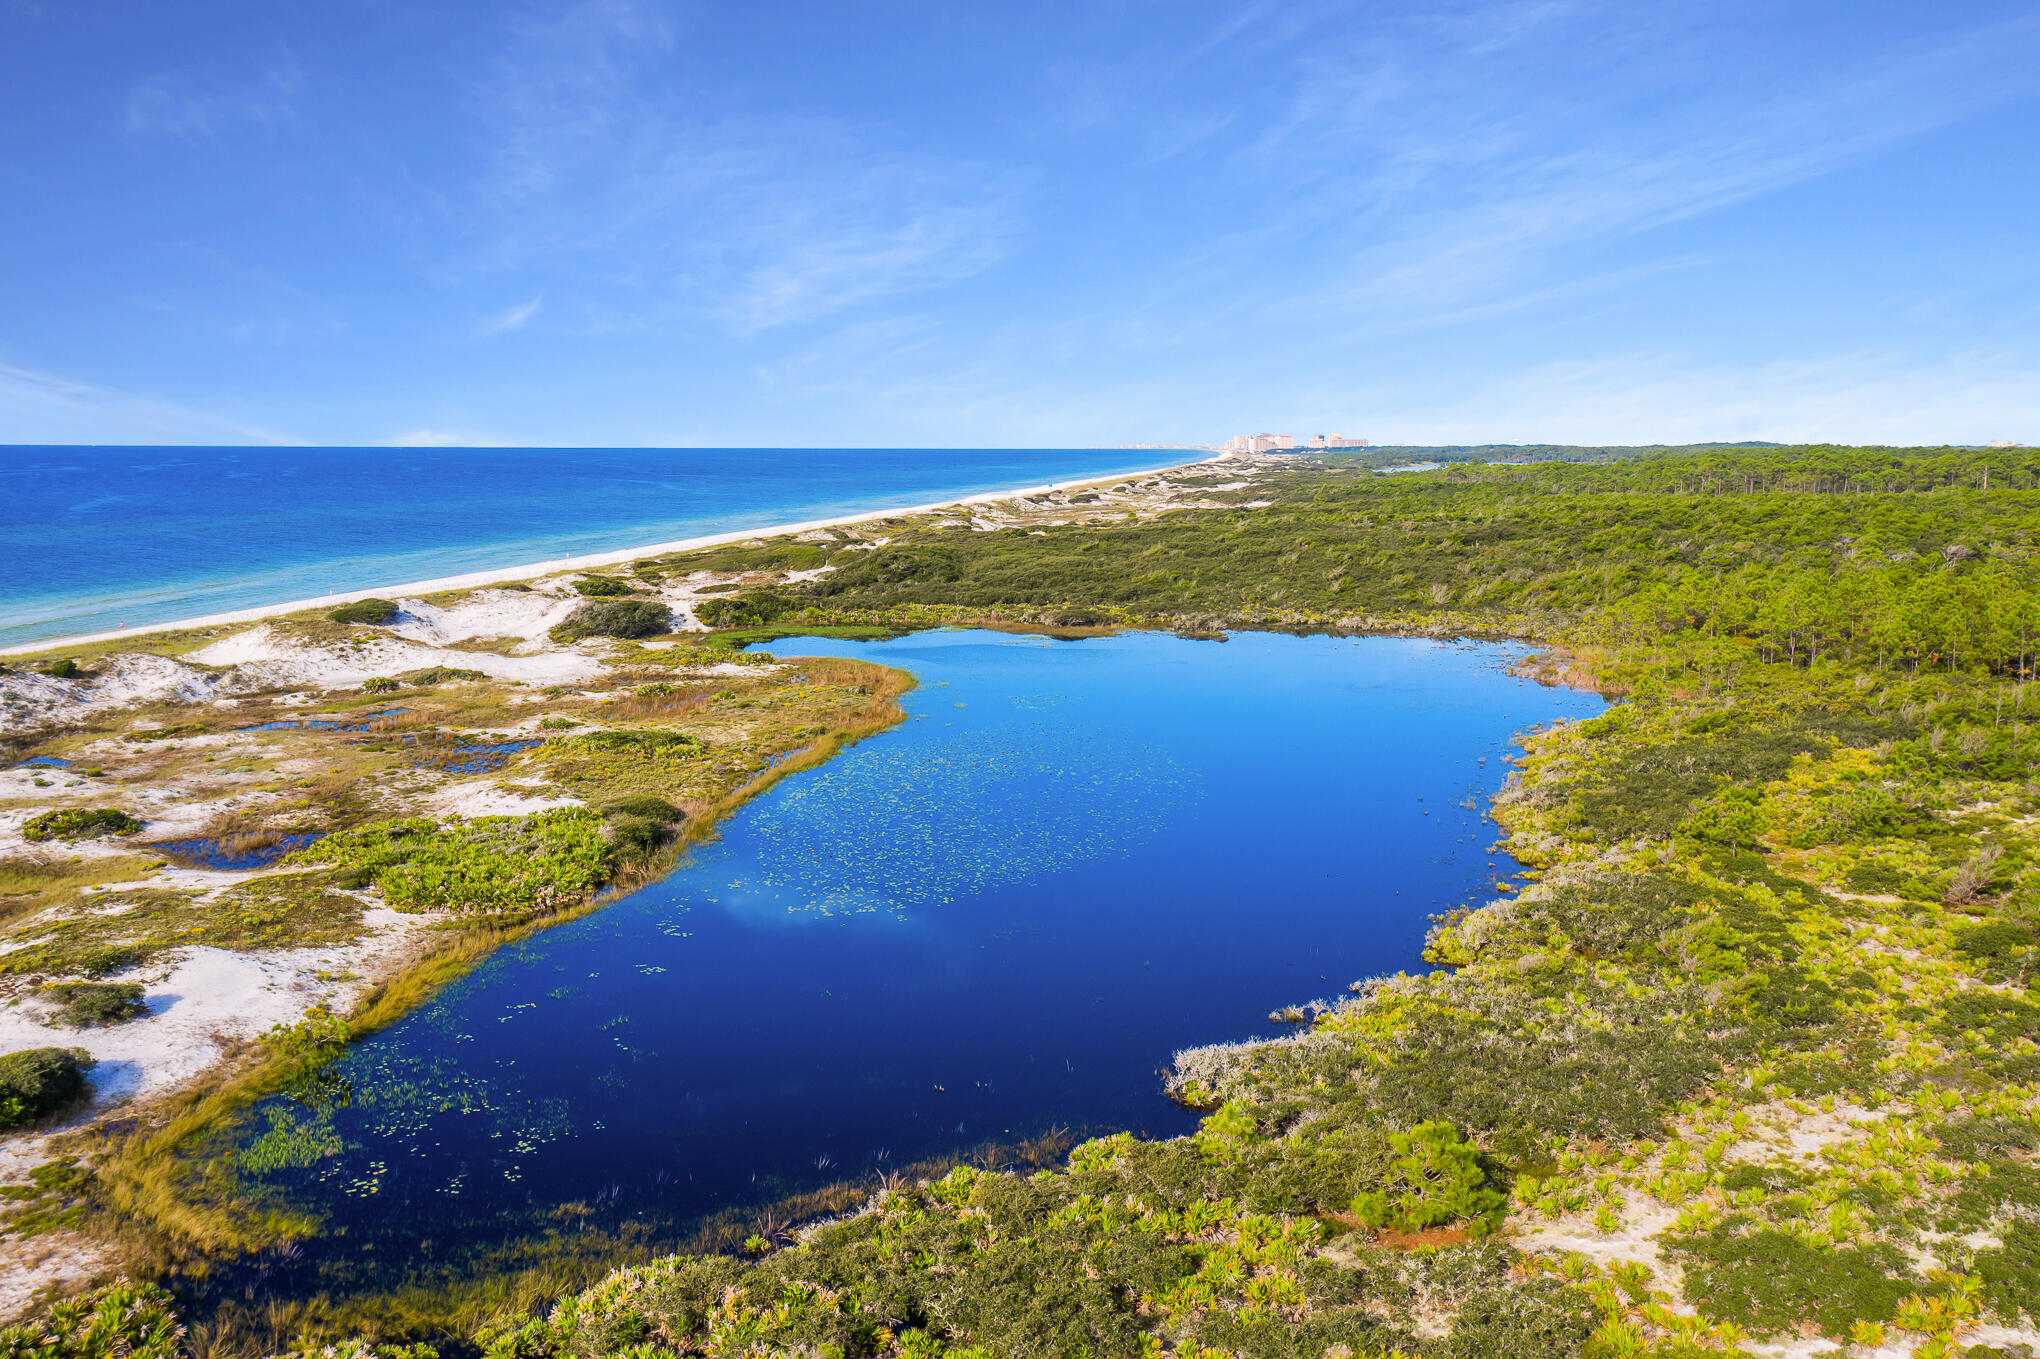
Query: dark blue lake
(1075, 858)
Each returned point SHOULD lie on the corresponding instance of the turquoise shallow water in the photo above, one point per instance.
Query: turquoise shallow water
(92, 539)
(1003, 916)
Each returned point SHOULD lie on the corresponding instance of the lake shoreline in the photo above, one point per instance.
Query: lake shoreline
(158, 1121)
(530, 570)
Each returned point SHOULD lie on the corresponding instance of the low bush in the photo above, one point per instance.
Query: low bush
(2002, 950)
(64, 669)
(79, 823)
(379, 684)
(615, 618)
(603, 587)
(645, 807)
(1769, 1281)
(39, 1082)
(635, 836)
(751, 609)
(376, 612)
(440, 674)
(2011, 1273)
(648, 745)
(91, 1005)
(1540, 1321)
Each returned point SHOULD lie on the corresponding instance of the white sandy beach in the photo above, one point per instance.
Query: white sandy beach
(531, 570)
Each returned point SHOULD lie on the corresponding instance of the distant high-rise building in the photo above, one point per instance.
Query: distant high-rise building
(1259, 443)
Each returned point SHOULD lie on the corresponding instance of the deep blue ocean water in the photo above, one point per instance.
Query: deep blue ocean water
(1075, 858)
(92, 539)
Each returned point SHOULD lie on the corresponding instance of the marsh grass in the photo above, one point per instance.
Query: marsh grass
(668, 707)
(493, 1287)
(123, 928)
(30, 882)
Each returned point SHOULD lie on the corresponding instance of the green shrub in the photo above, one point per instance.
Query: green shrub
(39, 1082)
(79, 823)
(1435, 1177)
(378, 684)
(1769, 1281)
(751, 609)
(1972, 1011)
(377, 612)
(603, 587)
(1874, 878)
(64, 669)
(1539, 1321)
(1733, 816)
(615, 618)
(2011, 1273)
(645, 807)
(633, 835)
(2001, 950)
(647, 745)
(775, 554)
(440, 674)
(88, 1005)
(1850, 814)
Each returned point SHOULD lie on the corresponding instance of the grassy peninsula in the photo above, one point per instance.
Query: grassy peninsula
(1752, 1067)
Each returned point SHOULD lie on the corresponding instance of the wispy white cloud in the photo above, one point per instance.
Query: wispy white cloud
(643, 205)
(199, 105)
(1863, 397)
(441, 438)
(40, 407)
(514, 317)
(1427, 173)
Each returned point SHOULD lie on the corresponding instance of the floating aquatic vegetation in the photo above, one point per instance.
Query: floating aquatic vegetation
(292, 1142)
(900, 828)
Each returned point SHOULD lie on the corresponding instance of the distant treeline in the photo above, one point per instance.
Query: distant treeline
(1911, 558)
(1746, 467)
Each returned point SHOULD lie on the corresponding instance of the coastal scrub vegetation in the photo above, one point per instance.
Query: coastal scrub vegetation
(39, 1082)
(498, 865)
(1760, 1017)
(374, 612)
(92, 1005)
(1753, 1060)
(78, 823)
(623, 618)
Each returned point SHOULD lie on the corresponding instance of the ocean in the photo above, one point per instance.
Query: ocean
(95, 539)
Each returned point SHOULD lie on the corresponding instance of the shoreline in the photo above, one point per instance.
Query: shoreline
(527, 571)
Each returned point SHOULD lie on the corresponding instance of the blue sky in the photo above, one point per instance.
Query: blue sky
(639, 222)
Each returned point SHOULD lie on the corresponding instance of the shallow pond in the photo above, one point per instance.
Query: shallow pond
(1003, 916)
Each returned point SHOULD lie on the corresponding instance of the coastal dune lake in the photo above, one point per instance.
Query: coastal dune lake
(995, 920)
